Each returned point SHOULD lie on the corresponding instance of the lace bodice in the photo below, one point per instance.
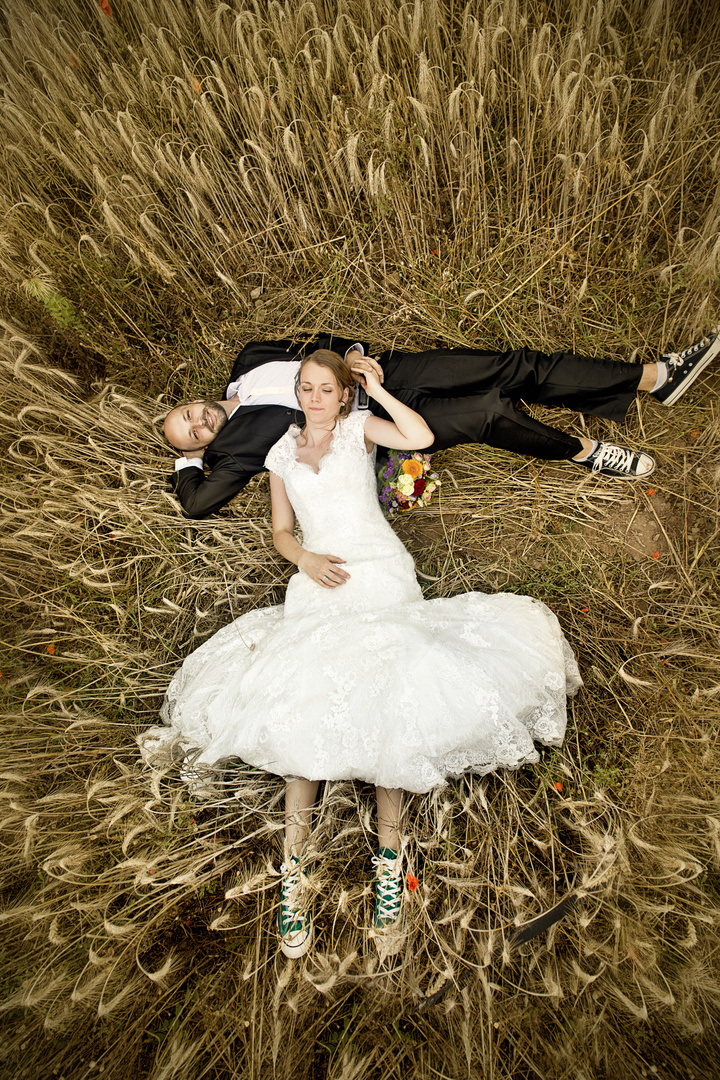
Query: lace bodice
(339, 514)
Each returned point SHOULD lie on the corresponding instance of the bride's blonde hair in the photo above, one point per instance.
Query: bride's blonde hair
(340, 370)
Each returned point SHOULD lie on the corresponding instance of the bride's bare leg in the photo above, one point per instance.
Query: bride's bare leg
(389, 808)
(300, 798)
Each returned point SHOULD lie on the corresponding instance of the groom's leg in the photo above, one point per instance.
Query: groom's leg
(491, 419)
(587, 384)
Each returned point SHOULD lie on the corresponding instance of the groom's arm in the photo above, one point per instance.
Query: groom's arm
(201, 495)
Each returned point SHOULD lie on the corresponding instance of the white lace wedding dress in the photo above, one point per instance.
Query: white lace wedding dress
(369, 681)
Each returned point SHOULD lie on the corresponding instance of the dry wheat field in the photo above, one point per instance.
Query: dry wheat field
(177, 178)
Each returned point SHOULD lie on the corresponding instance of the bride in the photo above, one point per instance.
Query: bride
(356, 676)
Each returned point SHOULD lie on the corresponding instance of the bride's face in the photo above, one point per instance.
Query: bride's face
(319, 394)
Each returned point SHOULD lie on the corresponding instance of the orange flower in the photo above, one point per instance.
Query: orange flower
(51, 649)
(412, 882)
(584, 608)
(412, 468)
(650, 491)
(656, 554)
(558, 785)
(694, 434)
(105, 8)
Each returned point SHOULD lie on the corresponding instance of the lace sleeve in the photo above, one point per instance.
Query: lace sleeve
(283, 453)
(353, 427)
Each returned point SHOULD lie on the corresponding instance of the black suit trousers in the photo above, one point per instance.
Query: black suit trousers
(472, 395)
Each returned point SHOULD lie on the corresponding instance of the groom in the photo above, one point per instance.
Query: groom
(465, 395)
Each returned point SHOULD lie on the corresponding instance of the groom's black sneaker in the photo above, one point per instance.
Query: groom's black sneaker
(616, 461)
(683, 368)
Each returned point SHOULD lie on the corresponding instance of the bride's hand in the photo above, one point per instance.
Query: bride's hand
(324, 569)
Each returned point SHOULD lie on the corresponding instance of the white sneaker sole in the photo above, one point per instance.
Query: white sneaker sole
(297, 943)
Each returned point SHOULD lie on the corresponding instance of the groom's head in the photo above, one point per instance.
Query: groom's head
(195, 425)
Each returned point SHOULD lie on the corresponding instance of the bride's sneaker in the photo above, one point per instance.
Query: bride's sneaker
(387, 922)
(294, 921)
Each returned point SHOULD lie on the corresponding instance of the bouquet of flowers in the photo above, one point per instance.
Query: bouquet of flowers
(406, 481)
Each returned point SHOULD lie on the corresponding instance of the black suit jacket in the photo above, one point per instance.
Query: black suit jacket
(238, 453)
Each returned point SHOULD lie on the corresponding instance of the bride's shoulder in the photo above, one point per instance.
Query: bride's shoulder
(352, 427)
(283, 453)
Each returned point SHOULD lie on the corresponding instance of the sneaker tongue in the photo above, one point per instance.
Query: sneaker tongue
(386, 853)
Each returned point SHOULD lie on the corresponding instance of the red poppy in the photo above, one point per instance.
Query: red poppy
(558, 785)
(105, 8)
(584, 608)
(656, 555)
(412, 882)
(51, 649)
(650, 491)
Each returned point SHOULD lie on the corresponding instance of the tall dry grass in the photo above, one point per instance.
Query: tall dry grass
(137, 921)
(423, 162)
(542, 172)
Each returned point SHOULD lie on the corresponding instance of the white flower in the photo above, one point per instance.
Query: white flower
(406, 484)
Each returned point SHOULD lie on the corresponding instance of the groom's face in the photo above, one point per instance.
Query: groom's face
(195, 425)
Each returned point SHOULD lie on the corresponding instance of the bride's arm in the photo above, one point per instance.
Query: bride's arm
(408, 431)
(323, 569)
